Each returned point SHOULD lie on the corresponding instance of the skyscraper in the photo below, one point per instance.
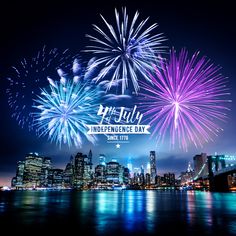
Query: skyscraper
(100, 173)
(147, 179)
(46, 167)
(89, 161)
(102, 159)
(112, 172)
(20, 174)
(56, 178)
(189, 169)
(142, 169)
(169, 179)
(32, 170)
(153, 170)
(83, 169)
(186, 177)
(126, 175)
(130, 167)
(87, 177)
(69, 174)
(148, 168)
(79, 169)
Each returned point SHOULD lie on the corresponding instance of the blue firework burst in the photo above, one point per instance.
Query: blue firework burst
(64, 110)
(28, 76)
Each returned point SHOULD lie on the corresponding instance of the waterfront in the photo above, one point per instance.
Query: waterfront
(119, 212)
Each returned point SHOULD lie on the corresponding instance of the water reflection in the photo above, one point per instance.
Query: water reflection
(121, 212)
(199, 208)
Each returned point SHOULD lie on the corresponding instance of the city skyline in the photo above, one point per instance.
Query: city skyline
(129, 162)
(81, 172)
(151, 165)
(206, 27)
(209, 172)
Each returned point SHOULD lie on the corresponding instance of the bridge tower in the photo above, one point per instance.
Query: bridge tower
(217, 160)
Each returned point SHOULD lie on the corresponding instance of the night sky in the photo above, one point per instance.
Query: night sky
(197, 26)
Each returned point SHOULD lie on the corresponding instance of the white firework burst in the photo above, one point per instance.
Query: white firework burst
(126, 51)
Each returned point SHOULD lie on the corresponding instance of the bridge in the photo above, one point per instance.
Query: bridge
(220, 170)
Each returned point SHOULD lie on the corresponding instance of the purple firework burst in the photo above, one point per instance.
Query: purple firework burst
(186, 101)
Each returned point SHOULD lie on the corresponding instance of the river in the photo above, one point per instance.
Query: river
(127, 212)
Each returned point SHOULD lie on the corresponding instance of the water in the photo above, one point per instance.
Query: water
(118, 212)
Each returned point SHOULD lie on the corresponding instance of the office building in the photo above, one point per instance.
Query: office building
(45, 172)
(153, 170)
(126, 175)
(100, 171)
(32, 170)
(68, 175)
(56, 178)
(112, 171)
(20, 174)
(169, 179)
(102, 159)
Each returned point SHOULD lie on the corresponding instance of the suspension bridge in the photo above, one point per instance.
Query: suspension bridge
(219, 170)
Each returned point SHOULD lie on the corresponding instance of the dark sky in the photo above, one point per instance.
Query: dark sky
(196, 25)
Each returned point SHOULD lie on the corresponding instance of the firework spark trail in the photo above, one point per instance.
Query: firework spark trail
(65, 109)
(186, 100)
(28, 76)
(126, 50)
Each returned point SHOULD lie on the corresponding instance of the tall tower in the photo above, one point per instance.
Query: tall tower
(90, 155)
(130, 166)
(189, 167)
(153, 169)
(20, 173)
(79, 167)
(32, 170)
(102, 159)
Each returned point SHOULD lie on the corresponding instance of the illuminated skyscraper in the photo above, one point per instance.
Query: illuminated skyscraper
(189, 167)
(19, 174)
(102, 159)
(32, 170)
(130, 167)
(147, 179)
(56, 178)
(83, 169)
(126, 175)
(79, 169)
(113, 172)
(153, 170)
(169, 179)
(89, 160)
(142, 169)
(148, 168)
(100, 173)
(68, 175)
(87, 176)
(46, 167)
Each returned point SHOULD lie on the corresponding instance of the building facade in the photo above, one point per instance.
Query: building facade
(153, 170)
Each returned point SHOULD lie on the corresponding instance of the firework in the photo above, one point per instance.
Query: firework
(186, 101)
(28, 76)
(126, 51)
(64, 110)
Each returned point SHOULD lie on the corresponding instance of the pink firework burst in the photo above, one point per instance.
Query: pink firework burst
(187, 100)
